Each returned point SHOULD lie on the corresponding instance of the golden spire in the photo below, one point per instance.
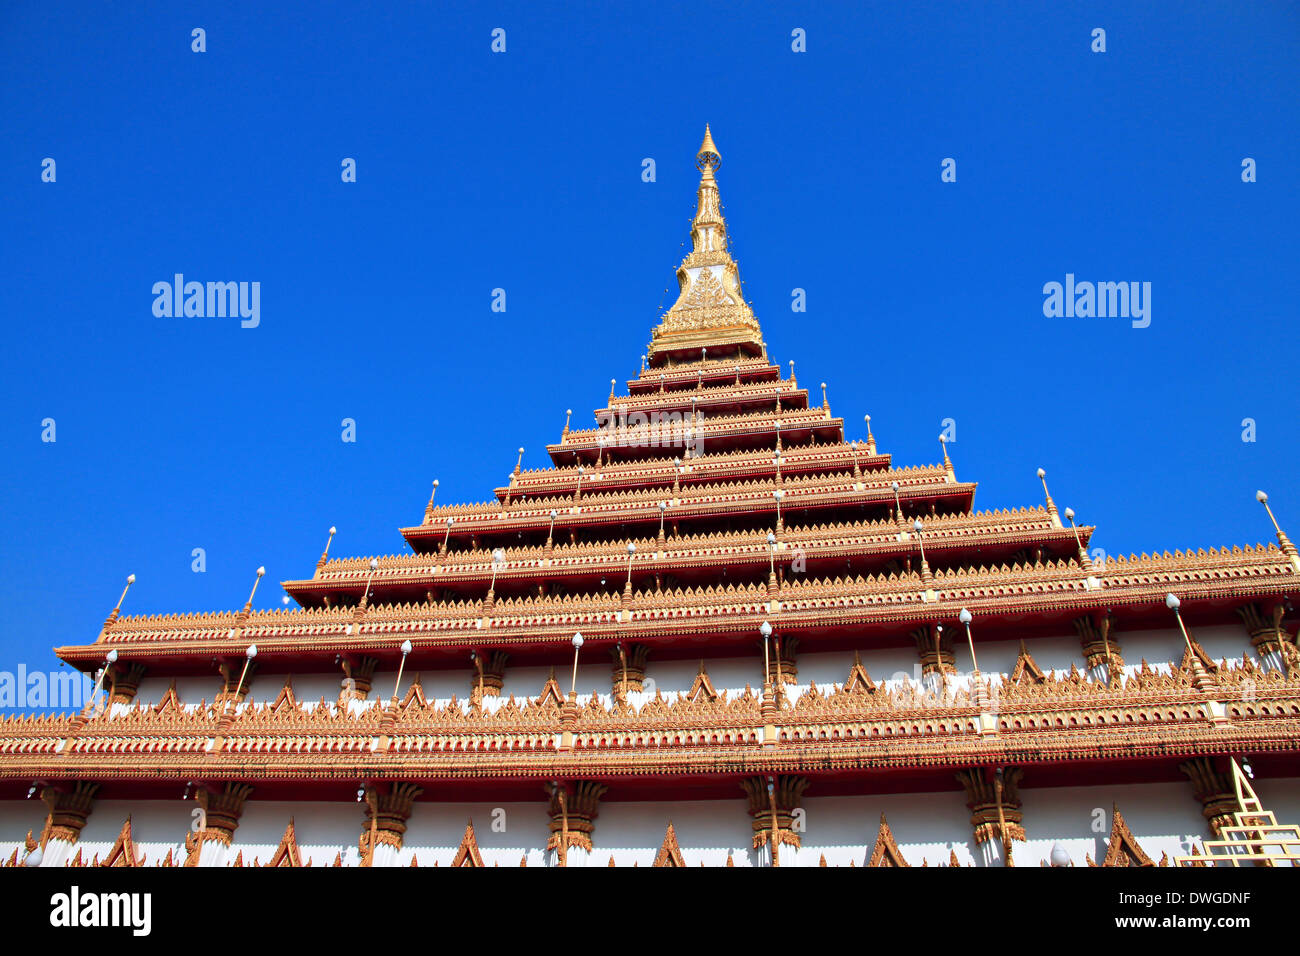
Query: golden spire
(708, 154)
(710, 311)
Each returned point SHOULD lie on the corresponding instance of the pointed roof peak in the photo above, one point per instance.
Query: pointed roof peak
(708, 154)
(710, 311)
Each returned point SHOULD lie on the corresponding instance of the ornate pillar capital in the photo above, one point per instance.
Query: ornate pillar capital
(775, 813)
(573, 807)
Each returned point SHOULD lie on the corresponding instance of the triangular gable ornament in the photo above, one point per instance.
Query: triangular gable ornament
(702, 685)
(859, 680)
(286, 854)
(551, 691)
(285, 698)
(415, 696)
(886, 852)
(1026, 671)
(467, 853)
(670, 854)
(123, 850)
(1123, 849)
(171, 701)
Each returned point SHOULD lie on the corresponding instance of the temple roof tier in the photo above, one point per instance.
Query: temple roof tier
(836, 730)
(753, 502)
(694, 558)
(710, 467)
(1003, 598)
(708, 399)
(713, 372)
(741, 431)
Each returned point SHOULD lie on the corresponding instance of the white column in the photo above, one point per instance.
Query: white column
(385, 855)
(57, 852)
(577, 856)
(213, 853)
(991, 852)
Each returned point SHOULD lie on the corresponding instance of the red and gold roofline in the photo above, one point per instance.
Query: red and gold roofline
(801, 503)
(1066, 718)
(825, 613)
(711, 372)
(711, 466)
(690, 560)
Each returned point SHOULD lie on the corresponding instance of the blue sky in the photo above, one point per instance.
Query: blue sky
(522, 171)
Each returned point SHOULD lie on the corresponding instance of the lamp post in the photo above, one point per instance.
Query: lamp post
(260, 571)
(920, 538)
(1283, 541)
(766, 630)
(663, 507)
(109, 659)
(771, 558)
(406, 649)
(1083, 555)
(573, 683)
(577, 491)
(778, 495)
(498, 559)
(365, 595)
(1051, 505)
(631, 553)
(1172, 602)
(1262, 498)
(550, 531)
(446, 537)
(965, 617)
(325, 555)
(130, 580)
(248, 659)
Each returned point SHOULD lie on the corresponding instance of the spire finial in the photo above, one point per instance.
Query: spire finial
(710, 309)
(708, 156)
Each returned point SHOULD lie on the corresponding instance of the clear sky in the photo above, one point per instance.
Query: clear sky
(522, 170)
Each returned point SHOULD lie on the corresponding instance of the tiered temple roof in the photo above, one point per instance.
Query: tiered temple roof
(714, 496)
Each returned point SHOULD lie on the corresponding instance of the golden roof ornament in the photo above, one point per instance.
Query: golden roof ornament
(708, 157)
(710, 311)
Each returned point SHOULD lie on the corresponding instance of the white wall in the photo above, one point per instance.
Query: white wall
(1165, 818)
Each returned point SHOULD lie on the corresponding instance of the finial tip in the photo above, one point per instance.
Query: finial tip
(708, 156)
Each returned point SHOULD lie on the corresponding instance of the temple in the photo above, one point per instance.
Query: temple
(714, 630)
